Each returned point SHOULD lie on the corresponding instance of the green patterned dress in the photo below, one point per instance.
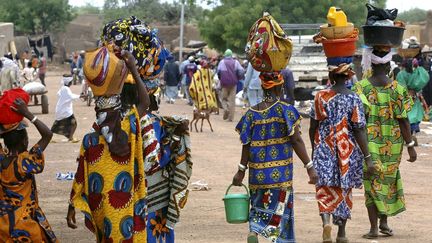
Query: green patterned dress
(384, 105)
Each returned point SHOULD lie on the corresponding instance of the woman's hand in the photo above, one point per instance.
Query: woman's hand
(313, 176)
(70, 218)
(21, 108)
(238, 178)
(412, 154)
(129, 59)
(370, 167)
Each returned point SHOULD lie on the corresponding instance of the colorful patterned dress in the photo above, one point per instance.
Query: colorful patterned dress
(337, 158)
(201, 89)
(21, 218)
(270, 169)
(110, 190)
(384, 106)
(167, 180)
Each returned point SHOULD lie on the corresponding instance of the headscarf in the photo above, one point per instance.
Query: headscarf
(66, 80)
(108, 124)
(344, 69)
(271, 79)
(370, 58)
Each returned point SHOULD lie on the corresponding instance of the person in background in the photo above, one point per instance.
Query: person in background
(42, 68)
(252, 86)
(74, 63)
(229, 72)
(337, 119)
(289, 85)
(189, 69)
(28, 74)
(172, 78)
(34, 61)
(65, 123)
(269, 133)
(21, 218)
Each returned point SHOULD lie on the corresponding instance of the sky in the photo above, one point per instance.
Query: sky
(402, 5)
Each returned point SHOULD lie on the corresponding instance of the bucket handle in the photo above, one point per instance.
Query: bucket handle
(245, 187)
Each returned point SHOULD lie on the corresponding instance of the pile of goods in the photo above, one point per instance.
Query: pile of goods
(338, 38)
(268, 48)
(104, 67)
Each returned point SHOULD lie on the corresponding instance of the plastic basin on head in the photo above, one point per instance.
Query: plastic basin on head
(236, 207)
(339, 47)
(382, 35)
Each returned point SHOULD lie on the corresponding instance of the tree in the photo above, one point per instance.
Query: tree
(36, 16)
(227, 25)
(413, 16)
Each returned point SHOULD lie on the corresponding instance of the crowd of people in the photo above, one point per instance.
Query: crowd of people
(134, 165)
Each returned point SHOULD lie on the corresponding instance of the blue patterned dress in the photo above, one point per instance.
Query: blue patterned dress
(337, 158)
(270, 169)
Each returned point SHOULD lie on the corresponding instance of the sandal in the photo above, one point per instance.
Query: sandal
(252, 238)
(342, 240)
(370, 236)
(326, 235)
(386, 232)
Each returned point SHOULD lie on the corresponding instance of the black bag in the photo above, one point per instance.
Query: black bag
(377, 14)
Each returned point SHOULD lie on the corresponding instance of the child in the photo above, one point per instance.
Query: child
(21, 218)
(65, 123)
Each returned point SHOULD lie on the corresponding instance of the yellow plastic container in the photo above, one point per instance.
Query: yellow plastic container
(336, 17)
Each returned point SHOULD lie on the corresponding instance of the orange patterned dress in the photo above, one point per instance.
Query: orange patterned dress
(21, 218)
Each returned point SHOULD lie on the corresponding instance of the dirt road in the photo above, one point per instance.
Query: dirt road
(215, 157)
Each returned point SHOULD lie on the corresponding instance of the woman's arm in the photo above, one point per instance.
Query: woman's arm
(300, 150)
(361, 138)
(312, 131)
(238, 177)
(45, 132)
(143, 98)
(406, 134)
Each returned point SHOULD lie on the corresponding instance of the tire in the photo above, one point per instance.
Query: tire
(89, 98)
(45, 109)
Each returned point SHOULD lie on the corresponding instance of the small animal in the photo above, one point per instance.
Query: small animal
(201, 115)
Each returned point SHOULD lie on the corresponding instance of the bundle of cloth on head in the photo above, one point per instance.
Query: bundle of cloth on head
(9, 119)
(268, 50)
(141, 41)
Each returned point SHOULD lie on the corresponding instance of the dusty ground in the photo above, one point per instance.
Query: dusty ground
(215, 157)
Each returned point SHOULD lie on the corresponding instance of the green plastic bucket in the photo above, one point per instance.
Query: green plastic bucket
(236, 206)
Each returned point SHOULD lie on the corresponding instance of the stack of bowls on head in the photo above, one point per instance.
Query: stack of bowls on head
(338, 37)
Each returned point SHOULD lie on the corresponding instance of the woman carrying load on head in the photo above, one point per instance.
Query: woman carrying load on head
(109, 186)
(21, 218)
(269, 132)
(339, 146)
(388, 128)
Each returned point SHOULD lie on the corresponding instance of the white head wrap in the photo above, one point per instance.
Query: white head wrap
(369, 58)
(66, 80)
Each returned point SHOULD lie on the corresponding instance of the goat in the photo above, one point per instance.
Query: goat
(203, 115)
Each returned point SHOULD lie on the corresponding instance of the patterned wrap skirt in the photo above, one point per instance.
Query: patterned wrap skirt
(336, 201)
(272, 214)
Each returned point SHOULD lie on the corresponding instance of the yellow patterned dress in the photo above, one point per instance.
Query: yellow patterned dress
(384, 106)
(110, 190)
(201, 89)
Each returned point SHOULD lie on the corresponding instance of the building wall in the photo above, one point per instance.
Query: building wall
(6, 36)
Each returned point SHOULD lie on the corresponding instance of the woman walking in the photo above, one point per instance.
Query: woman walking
(269, 132)
(21, 218)
(109, 186)
(388, 127)
(339, 146)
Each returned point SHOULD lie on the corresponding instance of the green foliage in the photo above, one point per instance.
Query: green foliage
(152, 10)
(228, 24)
(36, 16)
(87, 9)
(413, 16)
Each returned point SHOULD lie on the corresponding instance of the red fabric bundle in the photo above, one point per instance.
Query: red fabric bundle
(7, 115)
